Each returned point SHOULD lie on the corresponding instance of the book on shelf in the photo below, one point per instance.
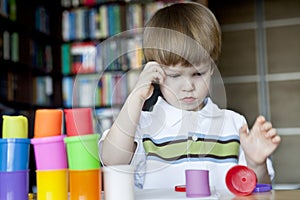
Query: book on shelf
(103, 24)
(107, 89)
(66, 58)
(42, 23)
(43, 90)
(105, 118)
(83, 57)
(9, 46)
(134, 16)
(41, 56)
(15, 47)
(92, 57)
(67, 91)
(66, 25)
(151, 8)
(94, 23)
(12, 9)
(4, 8)
(6, 45)
(1, 45)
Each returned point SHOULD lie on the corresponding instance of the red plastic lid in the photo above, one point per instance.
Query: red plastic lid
(241, 180)
(180, 188)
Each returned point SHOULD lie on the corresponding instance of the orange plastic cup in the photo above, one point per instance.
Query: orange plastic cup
(85, 184)
(48, 122)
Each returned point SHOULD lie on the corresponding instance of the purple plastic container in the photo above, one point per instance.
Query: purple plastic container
(197, 183)
(14, 185)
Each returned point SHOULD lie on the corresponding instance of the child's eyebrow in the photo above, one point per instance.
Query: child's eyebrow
(170, 70)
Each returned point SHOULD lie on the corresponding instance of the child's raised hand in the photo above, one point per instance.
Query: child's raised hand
(152, 73)
(260, 142)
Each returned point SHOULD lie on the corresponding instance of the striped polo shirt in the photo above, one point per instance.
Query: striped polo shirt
(170, 140)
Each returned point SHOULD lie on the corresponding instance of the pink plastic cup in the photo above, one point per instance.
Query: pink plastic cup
(50, 153)
(197, 183)
(78, 121)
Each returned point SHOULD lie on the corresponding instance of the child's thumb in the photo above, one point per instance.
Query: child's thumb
(243, 131)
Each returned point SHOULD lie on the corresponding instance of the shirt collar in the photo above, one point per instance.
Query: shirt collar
(175, 115)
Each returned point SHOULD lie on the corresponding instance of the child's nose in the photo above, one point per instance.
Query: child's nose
(188, 85)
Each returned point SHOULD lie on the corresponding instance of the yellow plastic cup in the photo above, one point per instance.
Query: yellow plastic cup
(52, 184)
(14, 126)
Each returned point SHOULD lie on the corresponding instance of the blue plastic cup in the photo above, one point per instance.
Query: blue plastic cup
(14, 185)
(14, 154)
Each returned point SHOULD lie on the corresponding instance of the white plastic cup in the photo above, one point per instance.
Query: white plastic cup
(118, 182)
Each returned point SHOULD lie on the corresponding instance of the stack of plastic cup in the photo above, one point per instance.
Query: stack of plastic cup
(82, 151)
(14, 158)
(50, 155)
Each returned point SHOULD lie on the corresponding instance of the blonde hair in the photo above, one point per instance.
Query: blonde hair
(182, 33)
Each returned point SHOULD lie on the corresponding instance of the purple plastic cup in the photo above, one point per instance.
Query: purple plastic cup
(197, 183)
(14, 185)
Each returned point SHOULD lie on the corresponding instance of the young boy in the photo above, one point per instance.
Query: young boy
(185, 129)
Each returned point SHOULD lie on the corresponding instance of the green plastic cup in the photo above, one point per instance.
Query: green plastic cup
(82, 152)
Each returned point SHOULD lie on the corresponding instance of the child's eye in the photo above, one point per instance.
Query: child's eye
(173, 75)
(198, 74)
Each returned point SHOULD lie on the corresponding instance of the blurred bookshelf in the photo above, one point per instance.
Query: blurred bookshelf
(29, 56)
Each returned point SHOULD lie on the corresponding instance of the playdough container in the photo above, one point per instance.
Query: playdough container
(50, 153)
(78, 121)
(241, 180)
(14, 154)
(85, 184)
(52, 184)
(48, 122)
(197, 183)
(14, 126)
(14, 185)
(118, 182)
(82, 152)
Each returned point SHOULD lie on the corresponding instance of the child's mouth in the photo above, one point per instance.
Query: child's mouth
(188, 99)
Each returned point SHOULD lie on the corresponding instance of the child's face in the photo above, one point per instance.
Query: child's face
(186, 87)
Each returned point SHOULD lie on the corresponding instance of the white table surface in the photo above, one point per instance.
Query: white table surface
(166, 194)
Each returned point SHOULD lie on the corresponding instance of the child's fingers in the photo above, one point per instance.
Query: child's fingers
(266, 126)
(259, 122)
(154, 71)
(260, 119)
(243, 131)
(271, 133)
(276, 139)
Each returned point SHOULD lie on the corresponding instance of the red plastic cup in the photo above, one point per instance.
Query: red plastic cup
(241, 180)
(78, 121)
